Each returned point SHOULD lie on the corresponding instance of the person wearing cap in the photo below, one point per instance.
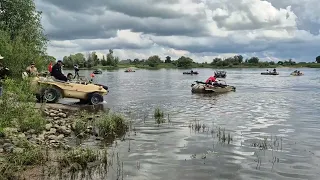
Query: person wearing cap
(32, 70)
(57, 72)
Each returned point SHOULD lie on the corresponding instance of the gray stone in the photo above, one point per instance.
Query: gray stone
(8, 147)
(1, 150)
(63, 115)
(22, 135)
(52, 137)
(52, 131)
(48, 126)
(56, 118)
(52, 114)
(60, 137)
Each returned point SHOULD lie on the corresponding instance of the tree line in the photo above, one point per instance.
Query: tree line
(91, 60)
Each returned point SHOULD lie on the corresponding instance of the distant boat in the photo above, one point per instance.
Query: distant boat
(97, 71)
(220, 74)
(191, 72)
(129, 70)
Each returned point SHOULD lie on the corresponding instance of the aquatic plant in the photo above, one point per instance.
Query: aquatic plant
(112, 125)
(158, 116)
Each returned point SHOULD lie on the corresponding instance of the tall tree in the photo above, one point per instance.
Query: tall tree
(21, 35)
(318, 59)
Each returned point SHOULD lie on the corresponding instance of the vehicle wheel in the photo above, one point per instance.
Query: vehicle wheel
(95, 99)
(51, 95)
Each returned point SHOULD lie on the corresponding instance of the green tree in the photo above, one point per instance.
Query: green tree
(318, 59)
(22, 40)
(103, 61)
(184, 62)
(168, 59)
(153, 61)
(253, 60)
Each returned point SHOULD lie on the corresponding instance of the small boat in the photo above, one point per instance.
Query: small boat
(220, 74)
(202, 87)
(97, 71)
(270, 73)
(296, 73)
(129, 70)
(191, 72)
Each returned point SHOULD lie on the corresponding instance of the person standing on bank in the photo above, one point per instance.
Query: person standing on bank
(32, 70)
(76, 71)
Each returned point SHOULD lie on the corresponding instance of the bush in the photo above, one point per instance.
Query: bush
(17, 107)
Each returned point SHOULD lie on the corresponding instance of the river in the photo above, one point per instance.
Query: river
(284, 109)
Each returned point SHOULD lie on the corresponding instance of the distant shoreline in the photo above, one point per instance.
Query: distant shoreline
(207, 66)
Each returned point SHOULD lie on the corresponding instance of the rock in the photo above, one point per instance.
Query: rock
(48, 126)
(60, 137)
(8, 147)
(1, 150)
(63, 115)
(52, 114)
(64, 130)
(90, 127)
(54, 111)
(53, 137)
(53, 141)
(99, 138)
(56, 118)
(22, 135)
(52, 131)
(18, 150)
(66, 147)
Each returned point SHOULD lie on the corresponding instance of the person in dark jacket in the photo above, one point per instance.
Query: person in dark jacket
(76, 71)
(57, 73)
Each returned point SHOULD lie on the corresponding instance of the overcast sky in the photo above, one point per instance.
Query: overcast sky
(200, 29)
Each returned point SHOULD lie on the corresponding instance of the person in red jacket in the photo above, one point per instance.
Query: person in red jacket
(211, 79)
(50, 67)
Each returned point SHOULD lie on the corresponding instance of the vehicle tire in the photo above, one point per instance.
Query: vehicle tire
(95, 98)
(51, 95)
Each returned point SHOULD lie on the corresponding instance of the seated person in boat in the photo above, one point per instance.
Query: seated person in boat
(274, 71)
(211, 80)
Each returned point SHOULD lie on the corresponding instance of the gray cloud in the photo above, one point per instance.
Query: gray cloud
(99, 19)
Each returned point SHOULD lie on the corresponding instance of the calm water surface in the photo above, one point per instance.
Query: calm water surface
(285, 109)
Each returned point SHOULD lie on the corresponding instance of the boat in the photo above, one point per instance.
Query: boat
(202, 87)
(129, 70)
(296, 73)
(269, 73)
(97, 71)
(220, 74)
(191, 72)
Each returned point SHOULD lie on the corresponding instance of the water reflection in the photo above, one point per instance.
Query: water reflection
(271, 107)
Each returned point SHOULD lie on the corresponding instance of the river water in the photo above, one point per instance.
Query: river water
(284, 109)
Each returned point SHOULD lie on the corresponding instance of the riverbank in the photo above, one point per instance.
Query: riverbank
(38, 141)
(196, 65)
